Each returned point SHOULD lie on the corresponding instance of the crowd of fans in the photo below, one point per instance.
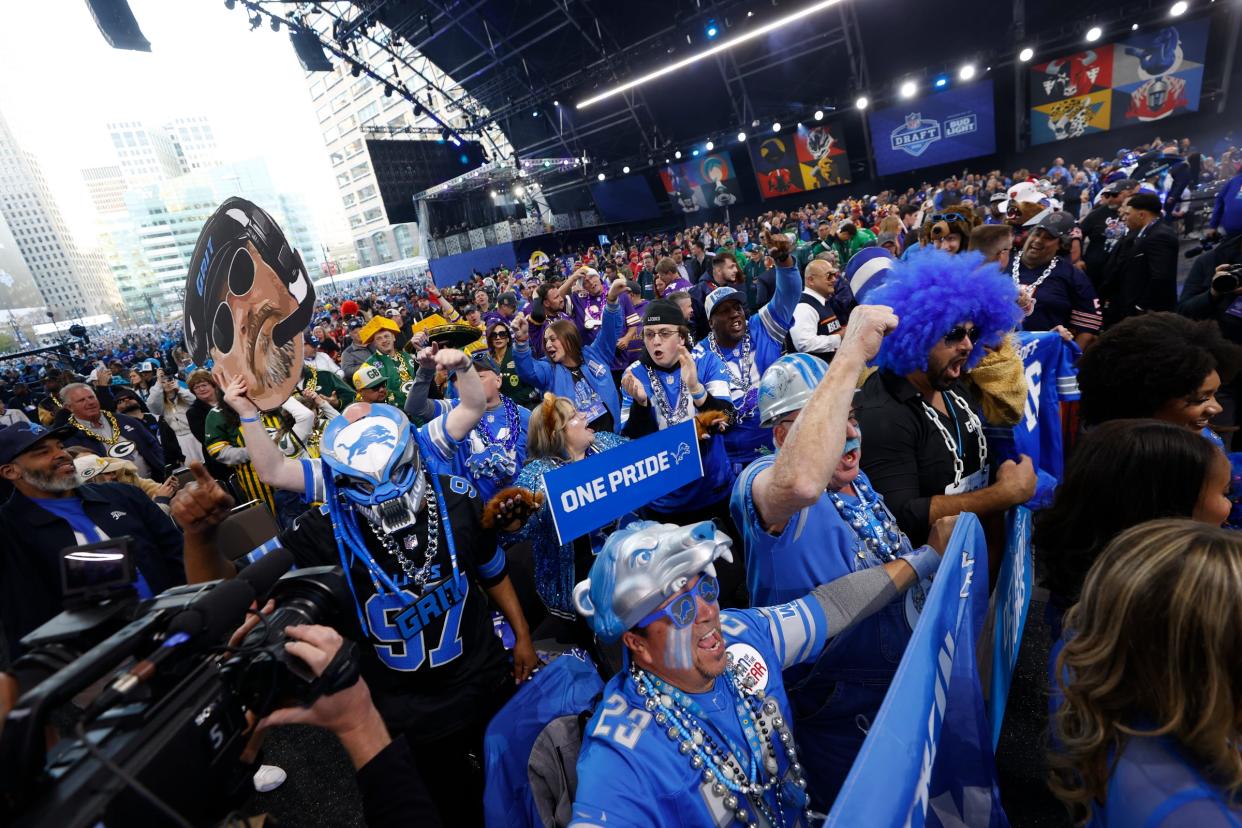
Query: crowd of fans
(786, 338)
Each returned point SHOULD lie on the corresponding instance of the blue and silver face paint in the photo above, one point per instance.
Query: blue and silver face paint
(679, 648)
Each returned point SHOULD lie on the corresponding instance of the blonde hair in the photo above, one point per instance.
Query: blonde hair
(545, 434)
(1156, 636)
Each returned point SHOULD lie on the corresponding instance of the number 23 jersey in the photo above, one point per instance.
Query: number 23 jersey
(433, 658)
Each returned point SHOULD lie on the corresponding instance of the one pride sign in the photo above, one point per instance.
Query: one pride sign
(595, 490)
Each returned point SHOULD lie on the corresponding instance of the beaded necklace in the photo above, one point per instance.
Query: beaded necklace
(489, 462)
(1033, 285)
(871, 521)
(671, 416)
(746, 364)
(720, 759)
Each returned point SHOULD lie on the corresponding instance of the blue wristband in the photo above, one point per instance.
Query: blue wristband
(250, 419)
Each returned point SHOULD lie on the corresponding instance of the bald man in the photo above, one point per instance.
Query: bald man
(816, 329)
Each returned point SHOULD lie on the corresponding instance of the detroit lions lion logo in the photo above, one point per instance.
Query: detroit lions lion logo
(366, 445)
(375, 435)
(681, 453)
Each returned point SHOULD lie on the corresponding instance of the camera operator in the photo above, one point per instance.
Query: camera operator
(1213, 290)
(392, 790)
(49, 512)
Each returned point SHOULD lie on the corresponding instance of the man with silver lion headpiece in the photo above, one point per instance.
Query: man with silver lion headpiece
(409, 535)
(695, 730)
(808, 516)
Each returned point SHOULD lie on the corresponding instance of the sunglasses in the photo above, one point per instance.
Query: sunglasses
(950, 217)
(962, 332)
(683, 609)
(241, 280)
(500, 334)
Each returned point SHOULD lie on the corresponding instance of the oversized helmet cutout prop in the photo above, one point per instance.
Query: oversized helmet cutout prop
(248, 298)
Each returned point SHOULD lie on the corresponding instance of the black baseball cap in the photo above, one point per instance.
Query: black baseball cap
(663, 312)
(19, 438)
(1057, 223)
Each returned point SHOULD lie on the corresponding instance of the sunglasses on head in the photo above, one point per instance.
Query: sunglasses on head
(962, 332)
(950, 217)
(683, 609)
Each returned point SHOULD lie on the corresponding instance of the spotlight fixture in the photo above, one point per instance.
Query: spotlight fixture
(1179, 8)
(556, 103)
(388, 90)
(493, 193)
(709, 146)
(1134, 27)
(256, 21)
(941, 82)
(535, 114)
(741, 136)
(677, 154)
(1094, 34)
(711, 30)
(819, 114)
(355, 70)
(966, 72)
(907, 89)
(625, 170)
(275, 24)
(230, 4)
(776, 127)
(1026, 54)
(862, 102)
(519, 191)
(695, 153)
(600, 176)
(665, 160)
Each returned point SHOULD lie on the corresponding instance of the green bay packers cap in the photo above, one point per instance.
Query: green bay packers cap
(368, 376)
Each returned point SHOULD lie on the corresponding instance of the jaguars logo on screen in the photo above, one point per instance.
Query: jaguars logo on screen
(915, 135)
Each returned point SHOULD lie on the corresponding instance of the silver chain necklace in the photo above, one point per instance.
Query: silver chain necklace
(746, 364)
(417, 576)
(671, 417)
(1017, 261)
(959, 464)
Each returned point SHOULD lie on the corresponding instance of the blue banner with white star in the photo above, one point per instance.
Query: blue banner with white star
(927, 759)
(600, 488)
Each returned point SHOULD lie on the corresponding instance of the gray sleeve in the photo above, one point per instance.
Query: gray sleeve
(418, 407)
(846, 601)
(233, 455)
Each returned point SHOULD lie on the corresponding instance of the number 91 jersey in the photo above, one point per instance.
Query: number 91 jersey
(434, 659)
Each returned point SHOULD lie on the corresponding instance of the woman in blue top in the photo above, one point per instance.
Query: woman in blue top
(584, 375)
(559, 435)
(1149, 728)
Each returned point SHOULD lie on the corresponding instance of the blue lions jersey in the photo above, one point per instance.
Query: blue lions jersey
(481, 458)
(1051, 378)
(767, 330)
(714, 484)
(631, 774)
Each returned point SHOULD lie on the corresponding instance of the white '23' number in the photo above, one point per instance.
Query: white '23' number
(623, 734)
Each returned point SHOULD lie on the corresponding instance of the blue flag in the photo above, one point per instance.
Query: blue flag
(927, 759)
(1013, 599)
(596, 490)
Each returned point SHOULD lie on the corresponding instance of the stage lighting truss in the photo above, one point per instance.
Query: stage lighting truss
(505, 177)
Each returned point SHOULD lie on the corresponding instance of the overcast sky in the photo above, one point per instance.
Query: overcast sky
(62, 83)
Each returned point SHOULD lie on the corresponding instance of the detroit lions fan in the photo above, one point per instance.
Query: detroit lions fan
(492, 454)
(410, 536)
(747, 347)
(809, 516)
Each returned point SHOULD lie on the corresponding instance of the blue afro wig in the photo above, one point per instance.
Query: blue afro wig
(935, 291)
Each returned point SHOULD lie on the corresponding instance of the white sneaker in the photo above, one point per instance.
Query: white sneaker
(269, 778)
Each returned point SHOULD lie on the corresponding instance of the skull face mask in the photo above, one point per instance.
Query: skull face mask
(371, 452)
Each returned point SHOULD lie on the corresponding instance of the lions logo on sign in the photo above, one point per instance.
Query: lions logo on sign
(915, 135)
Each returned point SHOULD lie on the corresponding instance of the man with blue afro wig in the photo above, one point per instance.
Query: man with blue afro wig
(930, 454)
